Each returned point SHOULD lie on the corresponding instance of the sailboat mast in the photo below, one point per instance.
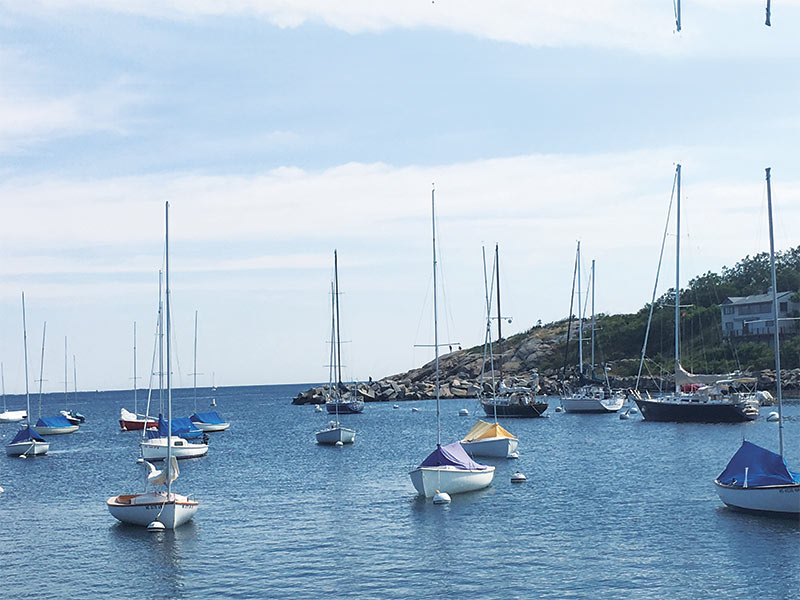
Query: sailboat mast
(435, 318)
(775, 314)
(135, 405)
(678, 281)
(338, 332)
(160, 348)
(66, 399)
(169, 364)
(593, 322)
(767, 22)
(332, 363)
(25, 346)
(499, 318)
(194, 374)
(74, 379)
(488, 337)
(3, 381)
(41, 369)
(580, 312)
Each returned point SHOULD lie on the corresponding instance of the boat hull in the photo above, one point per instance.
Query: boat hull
(428, 480)
(137, 425)
(28, 448)
(210, 427)
(336, 434)
(591, 405)
(54, 430)
(694, 412)
(778, 500)
(156, 449)
(345, 408)
(12, 416)
(143, 509)
(498, 447)
(515, 409)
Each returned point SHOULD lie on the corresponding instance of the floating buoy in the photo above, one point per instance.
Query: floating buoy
(633, 410)
(623, 416)
(441, 498)
(139, 460)
(513, 455)
(339, 444)
(559, 409)
(396, 406)
(22, 456)
(518, 478)
(414, 409)
(773, 416)
(156, 526)
(317, 408)
(463, 412)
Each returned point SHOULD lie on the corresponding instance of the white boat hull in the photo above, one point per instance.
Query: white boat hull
(210, 427)
(143, 509)
(156, 449)
(12, 416)
(55, 430)
(336, 434)
(499, 447)
(773, 499)
(429, 480)
(592, 405)
(28, 448)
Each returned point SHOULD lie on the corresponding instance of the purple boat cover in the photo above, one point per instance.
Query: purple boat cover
(452, 455)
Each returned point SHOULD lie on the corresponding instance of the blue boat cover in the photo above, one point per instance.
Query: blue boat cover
(181, 427)
(451, 455)
(26, 434)
(212, 418)
(763, 468)
(57, 421)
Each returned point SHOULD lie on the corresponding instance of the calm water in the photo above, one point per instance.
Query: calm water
(612, 509)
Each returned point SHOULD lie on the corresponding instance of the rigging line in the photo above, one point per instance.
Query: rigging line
(569, 322)
(658, 271)
(422, 314)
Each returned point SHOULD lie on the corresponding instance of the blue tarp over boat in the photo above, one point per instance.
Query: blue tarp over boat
(763, 468)
(58, 421)
(452, 455)
(27, 434)
(211, 418)
(181, 427)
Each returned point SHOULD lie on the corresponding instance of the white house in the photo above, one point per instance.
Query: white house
(752, 315)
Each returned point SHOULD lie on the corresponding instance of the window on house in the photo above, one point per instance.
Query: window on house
(783, 307)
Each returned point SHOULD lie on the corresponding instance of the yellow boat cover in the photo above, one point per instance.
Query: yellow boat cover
(483, 430)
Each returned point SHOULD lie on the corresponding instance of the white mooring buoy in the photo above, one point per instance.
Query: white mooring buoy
(339, 444)
(414, 409)
(633, 410)
(559, 409)
(463, 412)
(773, 416)
(156, 526)
(317, 408)
(624, 415)
(518, 478)
(441, 498)
(395, 406)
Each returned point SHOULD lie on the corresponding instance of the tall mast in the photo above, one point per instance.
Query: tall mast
(66, 400)
(775, 314)
(169, 362)
(593, 323)
(499, 318)
(74, 379)
(25, 346)
(338, 332)
(332, 363)
(135, 406)
(435, 318)
(41, 369)
(678, 281)
(488, 337)
(3, 380)
(767, 23)
(580, 313)
(678, 15)
(194, 374)
(160, 347)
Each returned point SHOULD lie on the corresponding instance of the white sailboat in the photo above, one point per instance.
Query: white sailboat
(9, 416)
(448, 469)
(490, 439)
(133, 421)
(27, 442)
(58, 424)
(166, 507)
(208, 421)
(334, 433)
(756, 479)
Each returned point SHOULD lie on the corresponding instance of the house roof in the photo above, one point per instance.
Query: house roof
(756, 298)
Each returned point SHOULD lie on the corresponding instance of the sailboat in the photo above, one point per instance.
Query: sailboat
(166, 507)
(489, 439)
(133, 421)
(341, 402)
(592, 396)
(512, 401)
(27, 442)
(701, 405)
(9, 416)
(208, 421)
(757, 479)
(58, 424)
(72, 416)
(448, 469)
(334, 433)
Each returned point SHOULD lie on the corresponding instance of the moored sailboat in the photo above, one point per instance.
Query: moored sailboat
(58, 424)
(448, 469)
(757, 479)
(9, 416)
(207, 421)
(168, 508)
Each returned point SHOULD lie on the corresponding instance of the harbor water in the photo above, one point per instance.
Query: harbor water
(611, 509)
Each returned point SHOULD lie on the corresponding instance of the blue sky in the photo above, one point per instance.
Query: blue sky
(282, 130)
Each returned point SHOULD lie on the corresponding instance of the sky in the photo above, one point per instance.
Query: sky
(281, 130)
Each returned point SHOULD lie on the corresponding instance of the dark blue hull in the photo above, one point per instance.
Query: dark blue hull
(345, 408)
(693, 412)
